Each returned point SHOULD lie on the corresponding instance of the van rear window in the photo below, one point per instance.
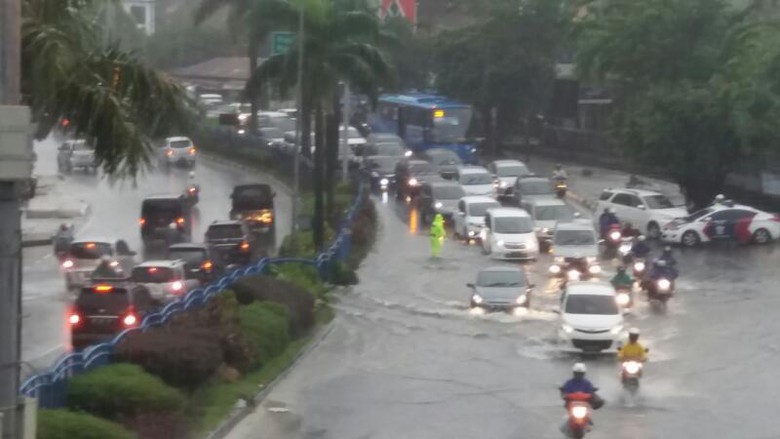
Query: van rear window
(162, 207)
(89, 250)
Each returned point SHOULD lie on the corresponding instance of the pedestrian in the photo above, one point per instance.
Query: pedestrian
(437, 234)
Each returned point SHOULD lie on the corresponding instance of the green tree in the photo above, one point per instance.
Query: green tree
(254, 19)
(693, 82)
(340, 44)
(107, 94)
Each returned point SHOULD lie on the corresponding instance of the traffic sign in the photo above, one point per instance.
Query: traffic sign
(281, 42)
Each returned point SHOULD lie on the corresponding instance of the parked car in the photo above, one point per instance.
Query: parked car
(76, 154)
(730, 222)
(166, 280)
(439, 197)
(647, 211)
(178, 151)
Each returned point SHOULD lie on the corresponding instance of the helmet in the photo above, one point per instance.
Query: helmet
(667, 249)
(660, 263)
(641, 238)
(633, 331)
(192, 174)
(579, 368)
(720, 197)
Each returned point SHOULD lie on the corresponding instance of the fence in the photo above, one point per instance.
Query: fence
(50, 387)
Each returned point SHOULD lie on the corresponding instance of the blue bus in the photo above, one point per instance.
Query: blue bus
(426, 121)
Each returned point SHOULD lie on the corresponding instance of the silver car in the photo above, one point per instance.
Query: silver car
(75, 154)
(178, 150)
(501, 289)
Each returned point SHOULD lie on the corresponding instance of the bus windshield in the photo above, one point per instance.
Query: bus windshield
(451, 126)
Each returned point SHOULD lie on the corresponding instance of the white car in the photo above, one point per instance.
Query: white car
(574, 247)
(354, 139)
(178, 150)
(726, 222)
(591, 320)
(647, 211)
(470, 214)
(166, 280)
(506, 173)
(475, 180)
(84, 256)
(546, 212)
(509, 234)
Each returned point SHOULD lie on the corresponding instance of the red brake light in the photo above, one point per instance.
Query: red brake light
(130, 320)
(103, 288)
(207, 265)
(179, 221)
(244, 245)
(152, 269)
(142, 221)
(74, 318)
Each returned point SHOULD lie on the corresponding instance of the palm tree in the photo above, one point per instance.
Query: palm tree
(255, 19)
(107, 94)
(339, 44)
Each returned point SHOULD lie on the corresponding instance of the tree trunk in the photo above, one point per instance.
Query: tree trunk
(332, 140)
(319, 156)
(305, 116)
(252, 94)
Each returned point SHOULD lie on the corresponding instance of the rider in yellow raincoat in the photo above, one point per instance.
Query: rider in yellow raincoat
(437, 234)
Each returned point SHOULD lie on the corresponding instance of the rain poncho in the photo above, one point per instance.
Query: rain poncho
(437, 234)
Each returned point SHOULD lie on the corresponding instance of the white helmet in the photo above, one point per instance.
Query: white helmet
(641, 238)
(579, 368)
(633, 331)
(720, 197)
(192, 174)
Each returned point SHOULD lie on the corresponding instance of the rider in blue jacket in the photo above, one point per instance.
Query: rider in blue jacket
(640, 249)
(668, 257)
(662, 270)
(607, 219)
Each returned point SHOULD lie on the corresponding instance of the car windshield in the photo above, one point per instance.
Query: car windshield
(591, 304)
(113, 301)
(392, 149)
(450, 125)
(444, 158)
(503, 278)
(513, 224)
(89, 250)
(698, 214)
(480, 209)
(575, 237)
(195, 255)
(448, 192)
(658, 202)
(226, 231)
(512, 171)
(283, 123)
(164, 208)
(553, 213)
(181, 144)
(539, 187)
(383, 163)
(475, 179)
(271, 133)
(81, 146)
(421, 169)
(153, 275)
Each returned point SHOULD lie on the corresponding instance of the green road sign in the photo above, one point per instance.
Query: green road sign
(281, 42)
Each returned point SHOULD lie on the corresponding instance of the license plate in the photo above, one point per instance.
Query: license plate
(516, 255)
(98, 321)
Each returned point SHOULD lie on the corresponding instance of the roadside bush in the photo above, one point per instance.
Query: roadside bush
(122, 390)
(363, 233)
(265, 325)
(343, 274)
(64, 424)
(263, 288)
(303, 275)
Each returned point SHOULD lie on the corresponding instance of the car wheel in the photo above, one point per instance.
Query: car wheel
(691, 239)
(762, 236)
(653, 231)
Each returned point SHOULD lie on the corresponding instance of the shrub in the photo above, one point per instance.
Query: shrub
(303, 275)
(363, 233)
(263, 288)
(343, 274)
(64, 424)
(265, 325)
(122, 390)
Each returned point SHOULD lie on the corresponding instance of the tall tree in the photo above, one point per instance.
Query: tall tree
(694, 84)
(340, 45)
(107, 94)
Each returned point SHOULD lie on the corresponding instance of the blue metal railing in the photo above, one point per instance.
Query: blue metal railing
(50, 387)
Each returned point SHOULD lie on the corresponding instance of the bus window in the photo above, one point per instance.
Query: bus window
(450, 125)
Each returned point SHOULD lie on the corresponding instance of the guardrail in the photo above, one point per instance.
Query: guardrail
(50, 387)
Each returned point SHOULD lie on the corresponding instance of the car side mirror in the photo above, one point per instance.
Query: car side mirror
(470, 285)
(641, 207)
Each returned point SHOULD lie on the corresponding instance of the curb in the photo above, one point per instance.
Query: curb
(248, 168)
(82, 210)
(238, 414)
(35, 242)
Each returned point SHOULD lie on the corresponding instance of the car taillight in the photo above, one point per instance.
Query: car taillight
(180, 221)
(244, 245)
(142, 221)
(130, 319)
(103, 288)
(191, 190)
(169, 153)
(207, 266)
(177, 286)
(74, 318)
(192, 150)
(67, 264)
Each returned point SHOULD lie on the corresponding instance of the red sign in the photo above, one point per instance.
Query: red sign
(400, 8)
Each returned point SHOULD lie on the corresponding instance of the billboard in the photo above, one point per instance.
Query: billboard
(399, 8)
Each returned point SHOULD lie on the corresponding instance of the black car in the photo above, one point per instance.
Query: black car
(254, 204)
(445, 161)
(103, 310)
(380, 171)
(410, 174)
(439, 197)
(200, 261)
(159, 212)
(231, 241)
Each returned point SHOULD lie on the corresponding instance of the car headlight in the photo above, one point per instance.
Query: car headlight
(616, 330)
(664, 284)
(384, 182)
(503, 185)
(639, 266)
(594, 269)
(472, 233)
(573, 275)
(473, 150)
(559, 259)
(241, 131)
(555, 269)
(591, 259)
(500, 243)
(476, 299)
(438, 205)
(413, 182)
(521, 300)
(408, 154)
(567, 328)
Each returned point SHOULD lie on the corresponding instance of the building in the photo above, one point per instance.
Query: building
(143, 12)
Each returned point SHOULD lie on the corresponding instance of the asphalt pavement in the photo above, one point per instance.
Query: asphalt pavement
(114, 213)
(406, 358)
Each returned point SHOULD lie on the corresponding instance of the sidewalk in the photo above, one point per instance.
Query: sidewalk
(50, 207)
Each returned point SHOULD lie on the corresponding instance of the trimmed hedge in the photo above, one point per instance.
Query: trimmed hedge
(122, 390)
(266, 327)
(64, 424)
(263, 288)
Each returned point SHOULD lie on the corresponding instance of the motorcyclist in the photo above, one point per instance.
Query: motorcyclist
(632, 351)
(629, 231)
(719, 200)
(661, 270)
(622, 279)
(668, 257)
(606, 220)
(63, 238)
(640, 249)
(108, 269)
(579, 384)
(559, 173)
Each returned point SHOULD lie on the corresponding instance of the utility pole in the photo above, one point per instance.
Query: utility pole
(108, 24)
(15, 168)
(298, 147)
(345, 133)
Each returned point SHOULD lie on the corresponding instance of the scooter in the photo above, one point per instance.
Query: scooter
(192, 194)
(560, 187)
(630, 372)
(660, 290)
(624, 298)
(639, 268)
(624, 250)
(578, 409)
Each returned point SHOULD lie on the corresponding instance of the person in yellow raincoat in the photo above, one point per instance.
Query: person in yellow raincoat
(437, 234)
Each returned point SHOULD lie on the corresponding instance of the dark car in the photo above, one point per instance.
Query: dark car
(159, 212)
(439, 197)
(531, 187)
(386, 145)
(200, 261)
(445, 161)
(231, 241)
(103, 310)
(410, 175)
(380, 170)
(254, 204)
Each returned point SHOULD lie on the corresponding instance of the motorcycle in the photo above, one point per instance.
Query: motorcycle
(560, 187)
(630, 372)
(192, 194)
(624, 298)
(659, 290)
(578, 409)
(624, 250)
(612, 241)
(639, 268)
(61, 242)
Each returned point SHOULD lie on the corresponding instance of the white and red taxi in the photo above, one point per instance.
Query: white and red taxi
(729, 221)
